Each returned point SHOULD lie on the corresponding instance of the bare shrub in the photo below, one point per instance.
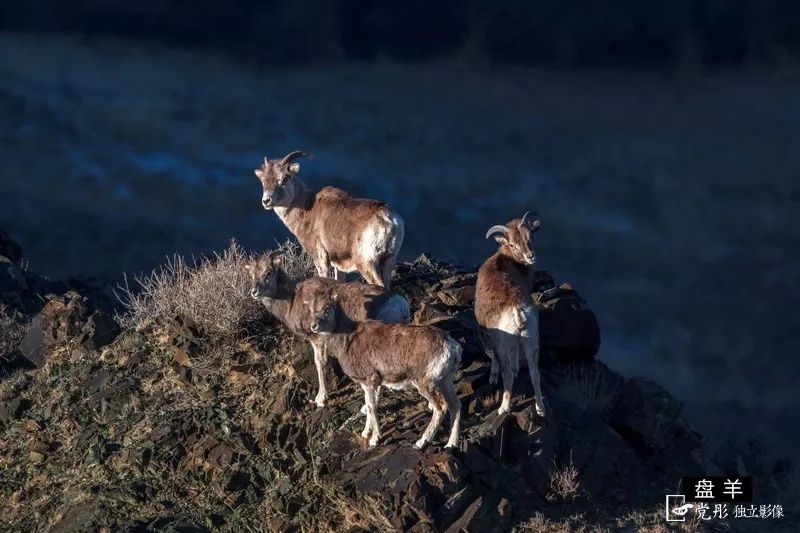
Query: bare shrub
(213, 292)
(590, 385)
(564, 483)
(12, 329)
(297, 262)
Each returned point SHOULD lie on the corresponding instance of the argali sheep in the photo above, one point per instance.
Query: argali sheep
(284, 299)
(504, 308)
(350, 234)
(398, 356)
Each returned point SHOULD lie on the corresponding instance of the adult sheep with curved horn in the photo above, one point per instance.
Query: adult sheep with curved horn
(348, 234)
(504, 308)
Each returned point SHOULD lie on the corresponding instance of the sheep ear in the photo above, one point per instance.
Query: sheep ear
(500, 239)
(259, 173)
(535, 225)
(294, 168)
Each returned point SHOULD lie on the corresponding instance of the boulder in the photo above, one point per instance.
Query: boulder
(649, 418)
(63, 320)
(9, 249)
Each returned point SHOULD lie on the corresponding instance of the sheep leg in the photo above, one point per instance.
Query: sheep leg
(454, 408)
(508, 352)
(323, 265)
(339, 275)
(531, 347)
(320, 359)
(386, 271)
(368, 421)
(369, 270)
(493, 373)
(436, 418)
(372, 416)
(377, 400)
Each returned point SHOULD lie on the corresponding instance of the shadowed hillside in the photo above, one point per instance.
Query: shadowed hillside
(192, 420)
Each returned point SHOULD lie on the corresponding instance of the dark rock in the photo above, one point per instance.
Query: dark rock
(9, 248)
(567, 326)
(100, 330)
(750, 456)
(61, 319)
(463, 522)
(606, 463)
(645, 414)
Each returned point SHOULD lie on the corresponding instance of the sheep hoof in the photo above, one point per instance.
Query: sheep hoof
(320, 402)
(493, 379)
(450, 445)
(420, 444)
(363, 410)
(503, 411)
(372, 443)
(540, 410)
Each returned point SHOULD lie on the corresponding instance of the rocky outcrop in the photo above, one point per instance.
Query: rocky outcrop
(161, 444)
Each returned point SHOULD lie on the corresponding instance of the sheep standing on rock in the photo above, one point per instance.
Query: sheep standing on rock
(504, 308)
(350, 234)
(285, 300)
(398, 356)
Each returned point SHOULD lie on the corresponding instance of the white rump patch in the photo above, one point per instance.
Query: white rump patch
(446, 361)
(522, 321)
(382, 236)
(395, 310)
(400, 385)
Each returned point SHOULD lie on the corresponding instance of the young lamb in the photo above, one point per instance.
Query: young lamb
(350, 234)
(398, 356)
(504, 308)
(283, 298)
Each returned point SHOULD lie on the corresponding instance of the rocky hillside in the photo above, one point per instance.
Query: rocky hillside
(158, 423)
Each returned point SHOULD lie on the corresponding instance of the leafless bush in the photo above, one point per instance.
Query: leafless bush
(213, 293)
(12, 329)
(590, 385)
(297, 262)
(564, 483)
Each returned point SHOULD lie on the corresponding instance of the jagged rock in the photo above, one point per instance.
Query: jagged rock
(100, 330)
(749, 456)
(567, 326)
(63, 319)
(645, 414)
(9, 248)
(12, 278)
(245, 445)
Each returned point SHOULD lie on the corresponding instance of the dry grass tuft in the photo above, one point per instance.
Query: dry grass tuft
(212, 293)
(12, 329)
(564, 483)
(297, 262)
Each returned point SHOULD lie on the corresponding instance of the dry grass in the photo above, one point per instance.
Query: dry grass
(212, 293)
(564, 483)
(539, 523)
(12, 329)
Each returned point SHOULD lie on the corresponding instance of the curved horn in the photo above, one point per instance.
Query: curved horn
(526, 218)
(494, 229)
(291, 156)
